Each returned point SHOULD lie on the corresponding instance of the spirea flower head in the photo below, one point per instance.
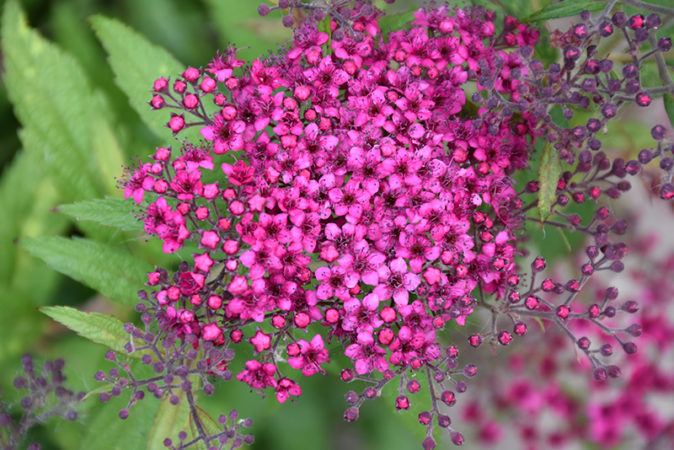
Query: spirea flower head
(354, 193)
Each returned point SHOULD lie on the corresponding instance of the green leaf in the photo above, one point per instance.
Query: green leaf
(137, 63)
(113, 272)
(669, 107)
(548, 176)
(54, 103)
(395, 22)
(169, 421)
(238, 23)
(113, 212)
(105, 431)
(107, 153)
(565, 8)
(98, 328)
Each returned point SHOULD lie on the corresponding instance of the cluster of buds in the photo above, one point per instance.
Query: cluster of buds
(46, 397)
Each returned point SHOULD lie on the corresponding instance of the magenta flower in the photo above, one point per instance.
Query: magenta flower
(258, 375)
(396, 282)
(285, 388)
(335, 281)
(226, 134)
(310, 356)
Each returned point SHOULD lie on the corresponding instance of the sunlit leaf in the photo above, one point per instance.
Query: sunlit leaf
(97, 327)
(113, 272)
(113, 212)
(565, 8)
(548, 175)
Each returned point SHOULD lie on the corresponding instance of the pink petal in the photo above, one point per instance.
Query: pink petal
(208, 133)
(401, 297)
(371, 302)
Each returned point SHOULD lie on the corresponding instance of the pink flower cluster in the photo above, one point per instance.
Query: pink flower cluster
(344, 185)
(545, 384)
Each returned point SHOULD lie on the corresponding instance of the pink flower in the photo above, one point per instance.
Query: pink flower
(335, 281)
(258, 375)
(285, 388)
(310, 356)
(397, 282)
(225, 134)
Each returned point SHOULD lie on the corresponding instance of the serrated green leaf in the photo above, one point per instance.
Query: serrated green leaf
(108, 154)
(548, 176)
(53, 101)
(97, 327)
(113, 212)
(137, 63)
(669, 107)
(169, 421)
(565, 8)
(113, 272)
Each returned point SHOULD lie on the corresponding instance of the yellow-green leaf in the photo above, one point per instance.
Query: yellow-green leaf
(548, 176)
(114, 273)
(97, 327)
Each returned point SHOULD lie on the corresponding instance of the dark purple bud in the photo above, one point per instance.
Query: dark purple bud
(634, 330)
(653, 21)
(619, 19)
(632, 87)
(658, 132)
(600, 374)
(263, 10)
(645, 156)
(288, 21)
(605, 29)
(609, 110)
(632, 167)
(665, 44)
(630, 348)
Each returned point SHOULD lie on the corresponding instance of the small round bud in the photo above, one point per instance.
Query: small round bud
(351, 414)
(630, 348)
(263, 10)
(444, 421)
(600, 374)
(429, 442)
(665, 44)
(288, 21)
(634, 330)
(606, 350)
(667, 191)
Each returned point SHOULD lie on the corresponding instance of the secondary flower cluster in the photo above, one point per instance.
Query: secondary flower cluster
(549, 377)
(349, 190)
(46, 397)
